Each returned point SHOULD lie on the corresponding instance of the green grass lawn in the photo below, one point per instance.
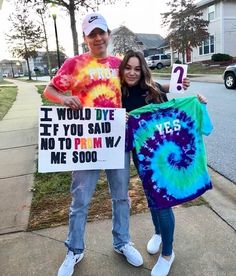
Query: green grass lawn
(30, 81)
(195, 68)
(7, 98)
(44, 100)
(5, 82)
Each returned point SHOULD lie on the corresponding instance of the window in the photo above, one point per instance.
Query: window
(164, 57)
(200, 50)
(208, 46)
(212, 44)
(211, 13)
(156, 57)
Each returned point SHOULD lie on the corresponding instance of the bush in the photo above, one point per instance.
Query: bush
(178, 61)
(221, 57)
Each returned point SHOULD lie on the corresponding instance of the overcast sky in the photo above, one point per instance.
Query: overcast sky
(139, 16)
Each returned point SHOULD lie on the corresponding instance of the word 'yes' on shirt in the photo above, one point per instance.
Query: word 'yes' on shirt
(169, 127)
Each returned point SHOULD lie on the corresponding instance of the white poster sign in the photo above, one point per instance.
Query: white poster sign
(86, 139)
(179, 72)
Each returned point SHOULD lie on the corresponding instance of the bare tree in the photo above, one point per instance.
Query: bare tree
(27, 36)
(186, 26)
(123, 40)
(41, 12)
(73, 6)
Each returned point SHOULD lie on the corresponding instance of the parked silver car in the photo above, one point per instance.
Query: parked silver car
(158, 61)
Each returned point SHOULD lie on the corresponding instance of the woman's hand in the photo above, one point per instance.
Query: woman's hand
(202, 99)
(186, 83)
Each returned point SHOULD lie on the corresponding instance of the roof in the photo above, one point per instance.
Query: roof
(150, 40)
(205, 2)
(164, 44)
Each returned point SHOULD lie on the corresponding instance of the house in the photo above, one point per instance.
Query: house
(150, 43)
(221, 15)
(11, 68)
(124, 39)
(14, 68)
(40, 62)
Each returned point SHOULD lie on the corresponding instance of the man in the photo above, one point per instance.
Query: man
(92, 78)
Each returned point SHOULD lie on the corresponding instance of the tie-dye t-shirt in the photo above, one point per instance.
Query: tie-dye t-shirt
(94, 81)
(170, 149)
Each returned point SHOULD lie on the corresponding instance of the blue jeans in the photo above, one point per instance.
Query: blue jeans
(82, 189)
(164, 222)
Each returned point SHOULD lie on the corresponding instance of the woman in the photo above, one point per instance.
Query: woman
(139, 89)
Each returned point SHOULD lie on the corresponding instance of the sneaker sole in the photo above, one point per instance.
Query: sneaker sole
(80, 258)
(153, 252)
(152, 274)
(118, 251)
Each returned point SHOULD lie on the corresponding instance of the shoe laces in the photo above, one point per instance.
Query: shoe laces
(70, 257)
(128, 246)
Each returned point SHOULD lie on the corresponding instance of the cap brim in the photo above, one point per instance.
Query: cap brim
(88, 30)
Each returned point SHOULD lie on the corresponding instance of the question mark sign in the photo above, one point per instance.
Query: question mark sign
(180, 79)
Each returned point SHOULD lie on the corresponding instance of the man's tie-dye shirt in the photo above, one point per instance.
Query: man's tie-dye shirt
(95, 81)
(170, 149)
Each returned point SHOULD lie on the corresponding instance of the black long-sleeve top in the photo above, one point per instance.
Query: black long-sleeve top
(136, 97)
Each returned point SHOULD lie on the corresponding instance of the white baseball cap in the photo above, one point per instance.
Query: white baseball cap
(92, 21)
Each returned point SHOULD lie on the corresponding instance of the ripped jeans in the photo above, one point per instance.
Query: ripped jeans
(82, 188)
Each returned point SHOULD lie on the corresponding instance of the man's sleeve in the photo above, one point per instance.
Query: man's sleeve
(64, 78)
(129, 142)
(206, 124)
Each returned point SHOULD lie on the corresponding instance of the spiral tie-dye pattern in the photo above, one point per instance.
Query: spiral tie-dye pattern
(170, 150)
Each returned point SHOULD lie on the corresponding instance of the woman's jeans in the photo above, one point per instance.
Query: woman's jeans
(164, 222)
(82, 189)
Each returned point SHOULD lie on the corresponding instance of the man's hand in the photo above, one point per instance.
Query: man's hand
(127, 117)
(71, 101)
(186, 83)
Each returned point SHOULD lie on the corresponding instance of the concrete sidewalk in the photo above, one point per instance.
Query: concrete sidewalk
(204, 246)
(18, 143)
(205, 240)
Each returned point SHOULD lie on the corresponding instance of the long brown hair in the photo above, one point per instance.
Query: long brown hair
(146, 82)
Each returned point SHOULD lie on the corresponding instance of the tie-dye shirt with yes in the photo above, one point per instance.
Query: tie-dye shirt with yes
(95, 81)
(170, 149)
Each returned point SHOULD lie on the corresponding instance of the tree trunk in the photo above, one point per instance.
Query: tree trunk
(12, 70)
(27, 59)
(183, 53)
(29, 72)
(73, 28)
(47, 49)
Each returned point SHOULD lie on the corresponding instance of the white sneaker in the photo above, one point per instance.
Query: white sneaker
(162, 267)
(67, 267)
(132, 255)
(154, 244)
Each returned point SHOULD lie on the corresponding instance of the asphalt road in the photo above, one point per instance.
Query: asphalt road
(221, 144)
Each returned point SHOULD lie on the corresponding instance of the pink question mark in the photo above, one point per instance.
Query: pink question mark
(180, 79)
